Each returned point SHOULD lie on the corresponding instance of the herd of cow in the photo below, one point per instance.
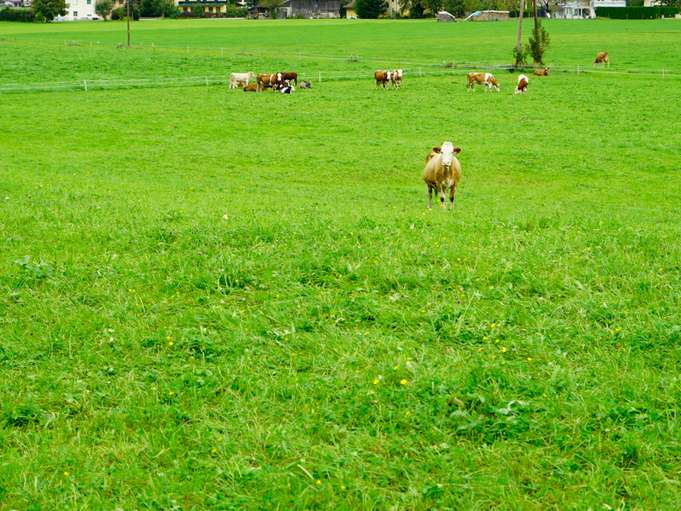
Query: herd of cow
(442, 172)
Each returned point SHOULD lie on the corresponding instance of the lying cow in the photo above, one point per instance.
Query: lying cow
(521, 87)
(541, 72)
(287, 88)
(382, 77)
(442, 172)
(485, 79)
(396, 78)
(306, 84)
(251, 87)
(239, 79)
(602, 58)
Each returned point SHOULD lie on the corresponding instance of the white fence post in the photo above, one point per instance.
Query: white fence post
(320, 77)
(85, 85)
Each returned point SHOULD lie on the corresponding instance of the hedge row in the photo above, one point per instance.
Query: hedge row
(11, 14)
(636, 13)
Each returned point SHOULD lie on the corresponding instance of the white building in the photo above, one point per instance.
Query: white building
(79, 10)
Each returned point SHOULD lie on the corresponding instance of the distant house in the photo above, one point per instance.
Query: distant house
(350, 12)
(584, 9)
(303, 9)
(211, 8)
(79, 10)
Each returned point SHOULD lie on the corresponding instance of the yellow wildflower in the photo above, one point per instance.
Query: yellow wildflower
(504, 349)
(403, 382)
(376, 381)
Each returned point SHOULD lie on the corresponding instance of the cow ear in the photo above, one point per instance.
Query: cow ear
(436, 149)
(457, 150)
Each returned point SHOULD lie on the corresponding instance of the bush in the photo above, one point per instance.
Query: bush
(11, 14)
(636, 13)
(236, 12)
(120, 14)
(370, 9)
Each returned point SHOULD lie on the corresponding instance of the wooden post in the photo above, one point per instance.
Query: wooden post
(519, 42)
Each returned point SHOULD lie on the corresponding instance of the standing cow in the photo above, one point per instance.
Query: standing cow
(521, 87)
(442, 172)
(382, 77)
(485, 79)
(291, 76)
(602, 58)
(396, 78)
(269, 81)
(239, 79)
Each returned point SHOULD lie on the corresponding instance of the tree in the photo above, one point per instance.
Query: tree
(48, 9)
(103, 8)
(539, 39)
(518, 51)
(370, 9)
(272, 6)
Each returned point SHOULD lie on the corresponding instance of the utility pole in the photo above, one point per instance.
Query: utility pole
(519, 43)
(127, 15)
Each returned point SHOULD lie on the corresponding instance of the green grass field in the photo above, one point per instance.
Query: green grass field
(218, 300)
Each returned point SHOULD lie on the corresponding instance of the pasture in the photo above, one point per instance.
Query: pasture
(219, 300)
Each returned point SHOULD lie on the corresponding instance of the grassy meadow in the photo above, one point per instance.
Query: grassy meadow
(219, 300)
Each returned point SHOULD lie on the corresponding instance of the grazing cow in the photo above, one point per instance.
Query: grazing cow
(442, 172)
(602, 58)
(541, 72)
(521, 87)
(291, 76)
(251, 87)
(382, 77)
(396, 78)
(239, 79)
(306, 84)
(269, 81)
(486, 79)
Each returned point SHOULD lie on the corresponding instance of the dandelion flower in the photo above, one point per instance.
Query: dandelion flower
(404, 381)
(504, 349)
(529, 359)
(66, 474)
(485, 338)
(170, 344)
(376, 381)
(318, 482)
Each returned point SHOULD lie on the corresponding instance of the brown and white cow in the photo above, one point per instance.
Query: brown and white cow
(291, 76)
(269, 81)
(382, 77)
(602, 58)
(521, 86)
(396, 78)
(442, 172)
(541, 72)
(485, 79)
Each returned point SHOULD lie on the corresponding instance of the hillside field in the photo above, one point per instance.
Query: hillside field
(219, 300)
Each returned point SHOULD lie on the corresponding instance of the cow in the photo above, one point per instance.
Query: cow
(521, 87)
(396, 78)
(442, 172)
(306, 84)
(251, 87)
(602, 58)
(382, 77)
(239, 79)
(486, 79)
(541, 72)
(291, 76)
(269, 81)
(287, 88)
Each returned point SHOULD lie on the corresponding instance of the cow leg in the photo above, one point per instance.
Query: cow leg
(430, 197)
(452, 191)
(441, 193)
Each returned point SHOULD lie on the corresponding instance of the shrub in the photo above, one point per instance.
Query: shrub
(10, 14)
(370, 9)
(636, 13)
(120, 14)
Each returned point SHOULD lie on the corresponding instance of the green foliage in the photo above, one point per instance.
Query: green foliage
(47, 10)
(206, 307)
(16, 14)
(635, 13)
(370, 9)
(120, 12)
(538, 42)
(159, 8)
(103, 8)
(520, 56)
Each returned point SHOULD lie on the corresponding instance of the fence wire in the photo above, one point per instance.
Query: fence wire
(413, 69)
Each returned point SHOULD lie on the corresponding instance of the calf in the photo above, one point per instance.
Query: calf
(485, 79)
(521, 87)
(251, 87)
(541, 72)
(602, 58)
(306, 84)
(442, 172)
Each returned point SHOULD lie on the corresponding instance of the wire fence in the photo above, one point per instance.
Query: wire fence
(413, 69)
